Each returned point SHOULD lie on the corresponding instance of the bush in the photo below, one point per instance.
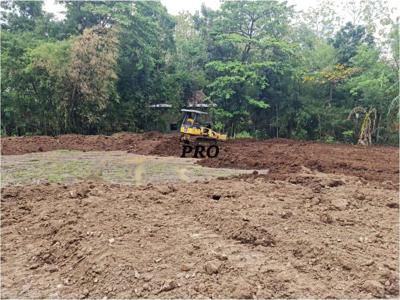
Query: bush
(348, 136)
(329, 139)
(243, 135)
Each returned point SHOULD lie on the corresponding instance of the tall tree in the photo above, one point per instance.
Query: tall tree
(323, 19)
(144, 64)
(348, 39)
(20, 15)
(191, 56)
(91, 77)
(272, 71)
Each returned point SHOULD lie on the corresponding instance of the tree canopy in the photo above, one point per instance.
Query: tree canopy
(270, 70)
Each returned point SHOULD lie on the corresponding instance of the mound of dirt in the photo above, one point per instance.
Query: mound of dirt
(169, 146)
(132, 142)
(281, 156)
(317, 236)
(284, 157)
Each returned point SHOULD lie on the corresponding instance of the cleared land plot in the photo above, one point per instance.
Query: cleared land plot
(111, 166)
(322, 223)
(317, 236)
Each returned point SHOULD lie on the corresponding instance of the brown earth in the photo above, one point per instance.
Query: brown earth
(323, 223)
(315, 235)
(138, 143)
(282, 157)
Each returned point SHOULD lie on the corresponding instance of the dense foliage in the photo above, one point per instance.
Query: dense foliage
(272, 71)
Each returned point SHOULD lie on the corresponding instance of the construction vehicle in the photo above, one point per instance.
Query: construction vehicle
(196, 127)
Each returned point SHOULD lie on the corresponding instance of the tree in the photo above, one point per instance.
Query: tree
(253, 25)
(374, 87)
(46, 78)
(144, 65)
(247, 46)
(374, 15)
(348, 39)
(367, 124)
(191, 56)
(332, 76)
(236, 89)
(91, 77)
(272, 71)
(86, 14)
(323, 19)
(20, 15)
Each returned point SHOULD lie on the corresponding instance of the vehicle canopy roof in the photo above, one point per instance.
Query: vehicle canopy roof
(195, 111)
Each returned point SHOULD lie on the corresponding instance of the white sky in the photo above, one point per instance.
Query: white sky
(176, 6)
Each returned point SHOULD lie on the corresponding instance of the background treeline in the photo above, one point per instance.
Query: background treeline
(272, 71)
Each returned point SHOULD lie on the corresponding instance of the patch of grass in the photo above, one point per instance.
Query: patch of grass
(53, 171)
(119, 167)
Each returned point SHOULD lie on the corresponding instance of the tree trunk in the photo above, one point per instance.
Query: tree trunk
(377, 128)
(330, 94)
(277, 122)
(319, 126)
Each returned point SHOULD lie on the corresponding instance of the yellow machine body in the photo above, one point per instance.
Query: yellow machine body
(192, 130)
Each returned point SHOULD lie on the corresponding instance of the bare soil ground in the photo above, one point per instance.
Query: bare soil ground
(138, 143)
(282, 157)
(323, 223)
(317, 236)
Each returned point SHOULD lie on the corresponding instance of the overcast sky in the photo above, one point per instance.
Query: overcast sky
(176, 6)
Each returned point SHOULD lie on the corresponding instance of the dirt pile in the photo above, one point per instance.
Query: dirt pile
(282, 157)
(168, 147)
(319, 236)
(138, 143)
